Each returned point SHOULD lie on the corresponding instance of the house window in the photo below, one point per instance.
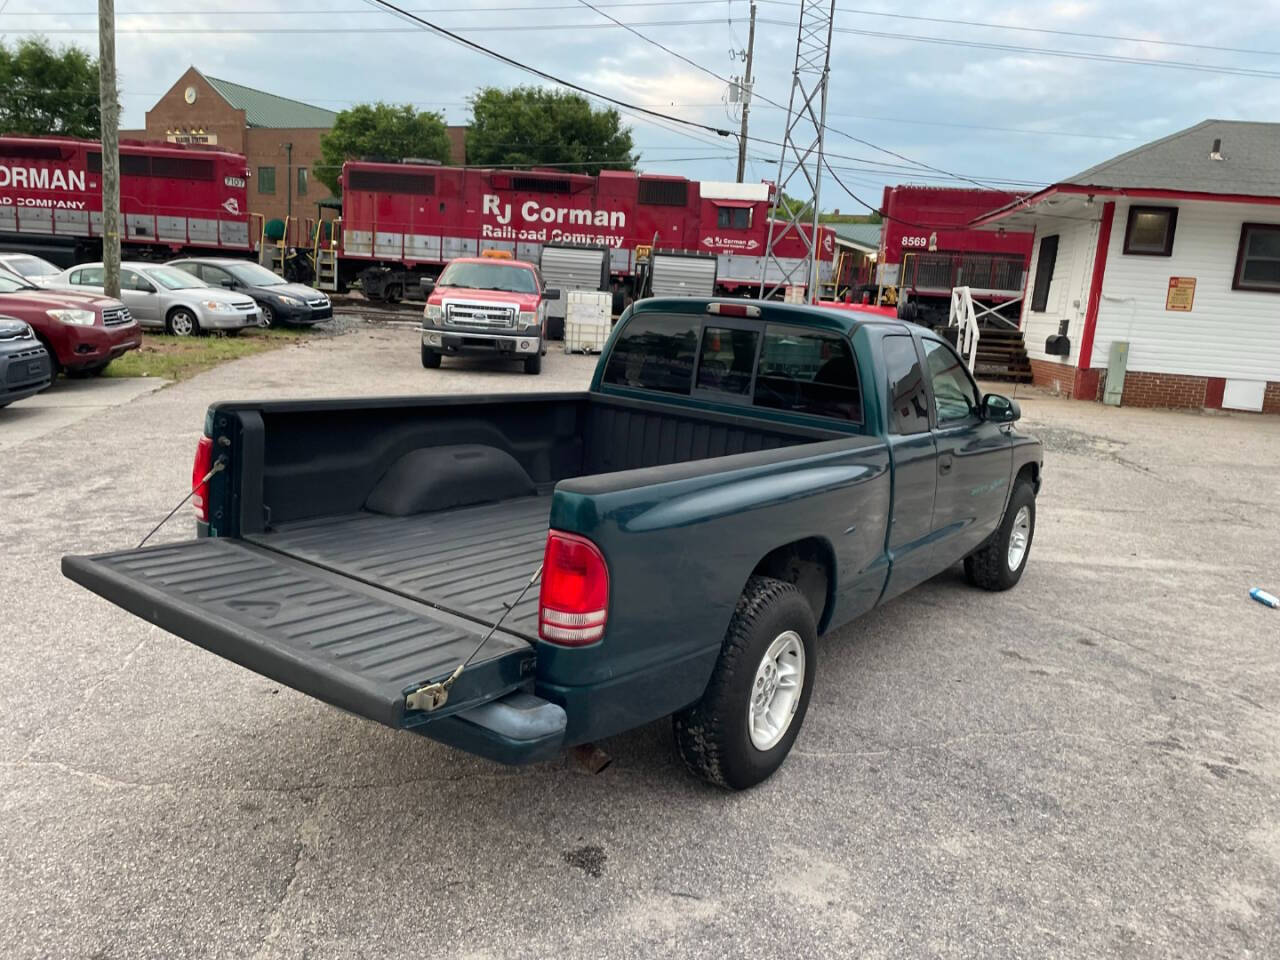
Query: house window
(1149, 231)
(733, 218)
(303, 180)
(267, 180)
(1258, 259)
(1044, 273)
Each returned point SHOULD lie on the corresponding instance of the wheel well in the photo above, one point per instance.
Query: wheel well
(810, 565)
(1030, 472)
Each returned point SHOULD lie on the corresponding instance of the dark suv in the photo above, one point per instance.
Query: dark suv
(24, 363)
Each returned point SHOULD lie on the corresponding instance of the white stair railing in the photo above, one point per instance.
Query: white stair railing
(963, 316)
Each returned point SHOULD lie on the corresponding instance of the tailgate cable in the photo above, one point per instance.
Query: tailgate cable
(433, 696)
(216, 468)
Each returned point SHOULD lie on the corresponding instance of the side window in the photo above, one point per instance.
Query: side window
(908, 402)
(90, 277)
(191, 268)
(728, 356)
(654, 353)
(1044, 273)
(74, 277)
(808, 373)
(955, 395)
(213, 275)
(129, 280)
(733, 218)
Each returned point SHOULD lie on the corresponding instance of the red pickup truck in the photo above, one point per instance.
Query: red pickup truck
(82, 332)
(486, 305)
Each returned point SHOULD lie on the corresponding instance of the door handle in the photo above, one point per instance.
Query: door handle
(944, 463)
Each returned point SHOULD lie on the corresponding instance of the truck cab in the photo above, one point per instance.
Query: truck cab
(486, 305)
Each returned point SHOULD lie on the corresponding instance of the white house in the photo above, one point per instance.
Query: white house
(1155, 276)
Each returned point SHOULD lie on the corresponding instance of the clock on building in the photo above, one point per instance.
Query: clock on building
(190, 95)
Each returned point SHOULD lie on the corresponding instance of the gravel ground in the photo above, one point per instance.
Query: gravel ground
(1085, 766)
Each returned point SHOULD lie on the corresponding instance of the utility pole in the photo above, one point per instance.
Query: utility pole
(109, 107)
(288, 210)
(747, 82)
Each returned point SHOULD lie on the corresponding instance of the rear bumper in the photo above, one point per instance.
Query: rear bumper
(516, 729)
(447, 341)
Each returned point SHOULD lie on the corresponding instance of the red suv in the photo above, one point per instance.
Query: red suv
(82, 332)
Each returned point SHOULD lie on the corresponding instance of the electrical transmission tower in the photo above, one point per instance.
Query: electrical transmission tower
(800, 165)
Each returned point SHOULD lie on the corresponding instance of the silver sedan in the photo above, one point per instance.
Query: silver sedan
(160, 296)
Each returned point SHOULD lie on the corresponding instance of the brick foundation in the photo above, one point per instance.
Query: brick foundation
(1167, 390)
(1162, 390)
(1271, 399)
(1065, 379)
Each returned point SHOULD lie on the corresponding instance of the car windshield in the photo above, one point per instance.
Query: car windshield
(172, 279)
(489, 276)
(32, 267)
(11, 284)
(253, 275)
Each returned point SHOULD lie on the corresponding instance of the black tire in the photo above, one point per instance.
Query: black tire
(267, 318)
(533, 363)
(713, 735)
(174, 325)
(430, 359)
(989, 566)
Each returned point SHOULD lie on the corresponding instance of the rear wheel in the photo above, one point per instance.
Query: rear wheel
(533, 364)
(999, 563)
(742, 729)
(430, 359)
(182, 323)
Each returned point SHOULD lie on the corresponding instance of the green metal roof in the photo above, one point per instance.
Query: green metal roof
(268, 110)
(863, 234)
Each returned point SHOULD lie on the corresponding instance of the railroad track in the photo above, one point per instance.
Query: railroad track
(375, 312)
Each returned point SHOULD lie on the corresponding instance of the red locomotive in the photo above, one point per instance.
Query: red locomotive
(401, 221)
(927, 248)
(172, 198)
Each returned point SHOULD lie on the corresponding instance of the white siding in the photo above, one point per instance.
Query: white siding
(1228, 333)
(1077, 243)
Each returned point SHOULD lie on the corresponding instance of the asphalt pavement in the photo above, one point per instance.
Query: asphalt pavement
(1086, 766)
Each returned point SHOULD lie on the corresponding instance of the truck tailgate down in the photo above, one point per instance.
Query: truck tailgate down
(345, 642)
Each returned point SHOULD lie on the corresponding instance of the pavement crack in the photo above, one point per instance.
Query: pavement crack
(275, 923)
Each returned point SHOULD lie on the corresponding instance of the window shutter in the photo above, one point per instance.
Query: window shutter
(1044, 273)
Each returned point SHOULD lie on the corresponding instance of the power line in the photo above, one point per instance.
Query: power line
(509, 61)
(1065, 54)
(1053, 32)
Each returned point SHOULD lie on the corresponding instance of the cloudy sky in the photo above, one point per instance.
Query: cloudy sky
(1003, 93)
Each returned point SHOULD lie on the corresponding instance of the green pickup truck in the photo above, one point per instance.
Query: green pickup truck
(514, 575)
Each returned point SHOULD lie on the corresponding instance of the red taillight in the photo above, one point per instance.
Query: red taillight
(202, 465)
(574, 602)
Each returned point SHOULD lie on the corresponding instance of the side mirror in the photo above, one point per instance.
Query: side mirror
(228, 283)
(144, 287)
(1000, 409)
(550, 293)
(427, 285)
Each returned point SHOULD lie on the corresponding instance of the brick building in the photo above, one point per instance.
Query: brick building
(1155, 275)
(279, 137)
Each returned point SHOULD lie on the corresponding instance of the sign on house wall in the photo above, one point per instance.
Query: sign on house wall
(1182, 294)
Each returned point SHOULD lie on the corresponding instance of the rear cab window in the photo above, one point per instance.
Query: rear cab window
(776, 367)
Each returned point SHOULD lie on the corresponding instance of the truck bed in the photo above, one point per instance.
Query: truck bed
(469, 561)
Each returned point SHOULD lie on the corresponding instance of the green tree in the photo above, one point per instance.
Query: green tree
(380, 131)
(46, 91)
(528, 126)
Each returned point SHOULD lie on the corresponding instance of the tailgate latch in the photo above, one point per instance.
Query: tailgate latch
(431, 697)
